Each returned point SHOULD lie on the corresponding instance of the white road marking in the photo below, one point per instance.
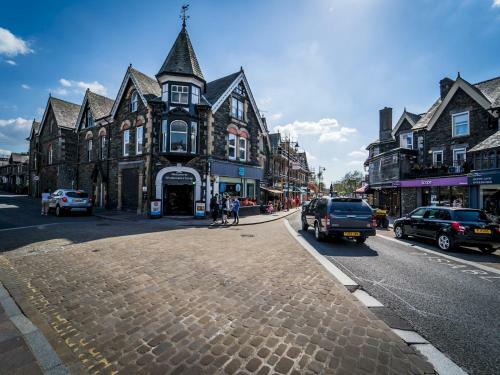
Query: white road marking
(410, 337)
(458, 260)
(39, 226)
(329, 266)
(442, 364)
(366, 299)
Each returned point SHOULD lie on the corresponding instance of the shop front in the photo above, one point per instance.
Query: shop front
(442, 191)
(238, 180)
(386, 196)
(178, 188)
(485, 191)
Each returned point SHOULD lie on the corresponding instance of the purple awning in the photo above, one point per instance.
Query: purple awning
(442, 181)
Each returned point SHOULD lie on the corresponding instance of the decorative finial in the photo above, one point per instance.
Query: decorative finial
(458, 76)
(241, 68)
(405, 110)
(183, 15)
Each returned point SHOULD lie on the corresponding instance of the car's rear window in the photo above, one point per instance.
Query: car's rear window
(77, 194)
(469, 216)
(350, 205)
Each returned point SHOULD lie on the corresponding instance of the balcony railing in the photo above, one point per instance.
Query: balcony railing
(437, 169)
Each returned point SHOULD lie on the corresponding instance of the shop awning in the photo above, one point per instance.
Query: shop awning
(274, 191)
(362, 190)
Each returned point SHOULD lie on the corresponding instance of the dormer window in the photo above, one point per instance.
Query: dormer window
(237, 108)
(134, 103)
(180, 94)
(195, 95)
(406, 140)
(90, 120)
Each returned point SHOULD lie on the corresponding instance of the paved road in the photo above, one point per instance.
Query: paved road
(21, 211)
(455, 306)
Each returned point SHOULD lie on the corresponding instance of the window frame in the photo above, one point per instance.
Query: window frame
(89, 149)
(195, 98)
(236, 110)
(240, 148)
(90, 120)
(139, 140)
(178, 132)
(180, 93)
(406, 136)
(126, 142)
(453, 125)
(50, 155)
(164, 135)
(102, 147)
(462, 150)
(193, 136)
(134, 102)
(434, 154)
(164, 92)
(234, 147)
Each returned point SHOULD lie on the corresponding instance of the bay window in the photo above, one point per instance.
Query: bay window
(194, 136)
(460, 124)
(138, 140)
(232, 146)
(164, 92)
(180, 94)
(243, 149)
(126, 142)
(178, 136)
(195, 95)
(237, 108)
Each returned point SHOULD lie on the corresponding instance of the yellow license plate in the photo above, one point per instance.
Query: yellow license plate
(352, 234)
(482, 231)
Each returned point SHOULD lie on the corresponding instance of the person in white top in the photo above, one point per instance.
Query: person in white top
(45, 202)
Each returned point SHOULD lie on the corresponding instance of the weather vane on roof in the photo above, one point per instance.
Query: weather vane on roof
(183, 15)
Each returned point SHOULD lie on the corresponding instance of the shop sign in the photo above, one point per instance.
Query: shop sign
(238, 187)
(199, 209)
(155, 208)
(445, 181)
(486, 178)
(178, 178)
(241, 171)
(222, 187)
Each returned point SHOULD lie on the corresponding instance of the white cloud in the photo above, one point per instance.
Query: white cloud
(13, 132)
(68, 86)
(361, 153)
(10, 62)
(17, 122)
(4, 152)
(25, 86)
(496, 4)
(11, 45)
(310, 157)
(328, 130)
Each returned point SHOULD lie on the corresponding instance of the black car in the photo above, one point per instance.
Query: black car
(450, 227)
(339, 217)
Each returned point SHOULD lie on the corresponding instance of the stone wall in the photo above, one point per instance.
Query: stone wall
(408, 200)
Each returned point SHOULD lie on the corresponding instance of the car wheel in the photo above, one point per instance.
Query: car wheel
(445, 242)
(361, 240)
(317, 233)
(59, 212)
(487, 249)
(305, 226)
(399, 232)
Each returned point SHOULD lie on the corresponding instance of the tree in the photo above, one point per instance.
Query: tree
(349, 183)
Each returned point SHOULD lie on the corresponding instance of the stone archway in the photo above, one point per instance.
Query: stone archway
(162, 172)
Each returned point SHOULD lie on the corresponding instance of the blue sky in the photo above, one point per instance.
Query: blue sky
(319, 70)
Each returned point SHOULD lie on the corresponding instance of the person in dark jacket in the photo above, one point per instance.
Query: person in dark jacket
(214, 207)
(236, 210)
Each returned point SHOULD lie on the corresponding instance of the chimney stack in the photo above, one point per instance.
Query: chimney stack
(445, 86)
(385, 129)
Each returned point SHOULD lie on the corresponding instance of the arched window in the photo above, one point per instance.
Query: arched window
(50, 155)
(178, 136)
(134, 101)
(102, 146)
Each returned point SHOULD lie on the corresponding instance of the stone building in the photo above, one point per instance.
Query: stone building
(34, 160)
(56, 155)
(423, 160)
(175, 138)
(14, 173)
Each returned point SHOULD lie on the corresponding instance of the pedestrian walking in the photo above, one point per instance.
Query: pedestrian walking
(236, 210)
(226, 208)
(45, 202)
(214, 207)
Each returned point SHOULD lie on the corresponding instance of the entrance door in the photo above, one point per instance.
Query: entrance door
(130, 187)
(178, 199)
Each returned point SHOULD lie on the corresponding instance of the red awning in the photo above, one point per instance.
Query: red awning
(362, 190)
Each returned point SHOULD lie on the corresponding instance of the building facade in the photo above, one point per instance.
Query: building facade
(14, 173)
(424, 159)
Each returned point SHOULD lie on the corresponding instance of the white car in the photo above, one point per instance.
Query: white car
(64, 201)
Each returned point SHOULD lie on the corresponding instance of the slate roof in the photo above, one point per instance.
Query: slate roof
(414, 116)
(35, 128)
(99, 104)
(426, 117)
(493, 141)
(148, 86)
(66, 113)
(216, 88)
(491, 90)
(182, 59)
(275, 140)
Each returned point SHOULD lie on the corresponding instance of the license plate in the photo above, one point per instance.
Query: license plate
(482, 231)
(78, 200)
(352, 234)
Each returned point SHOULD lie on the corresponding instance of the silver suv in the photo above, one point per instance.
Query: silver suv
(64, 201)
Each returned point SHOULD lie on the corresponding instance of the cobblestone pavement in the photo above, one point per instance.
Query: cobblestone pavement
(197, 300)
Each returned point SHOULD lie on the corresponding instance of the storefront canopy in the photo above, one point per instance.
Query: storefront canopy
(362, 190)
(271, 190)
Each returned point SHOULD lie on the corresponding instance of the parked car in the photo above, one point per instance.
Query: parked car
(339, 217)
(64, 201)
(450, 227)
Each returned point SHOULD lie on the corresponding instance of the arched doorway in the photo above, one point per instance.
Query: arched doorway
(178, 188)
